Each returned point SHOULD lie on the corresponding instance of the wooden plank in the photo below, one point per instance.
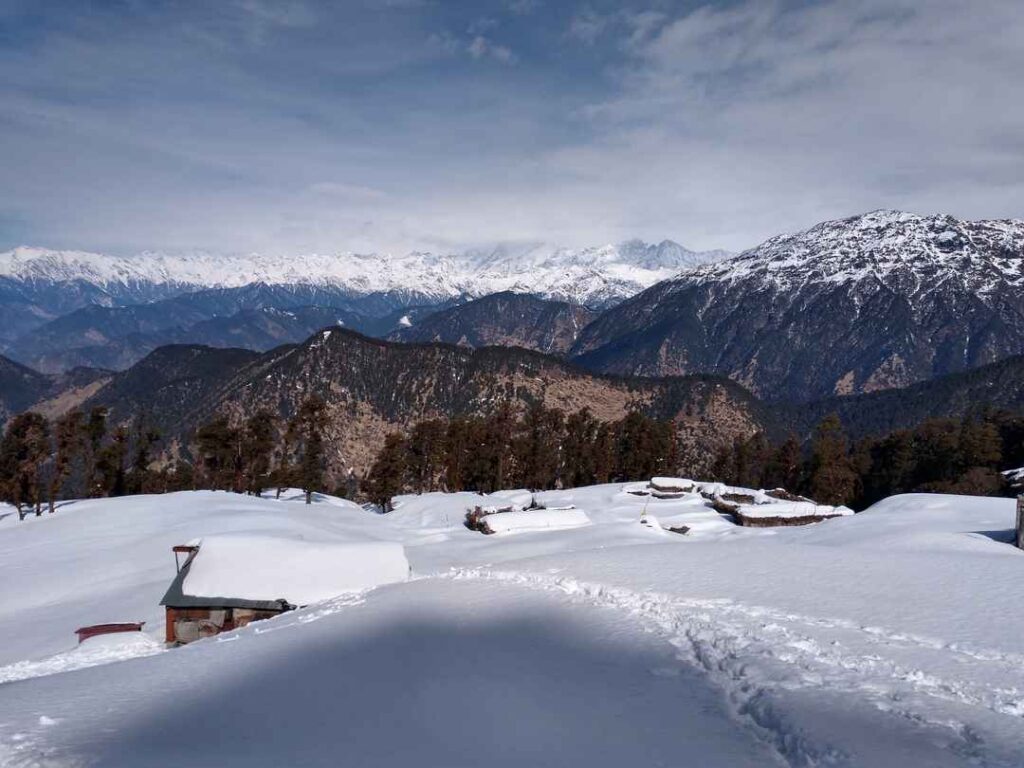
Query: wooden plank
(1019, 539)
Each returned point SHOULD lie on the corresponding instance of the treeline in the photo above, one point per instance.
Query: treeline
(960, 456)
(544, 448)
(80, 455)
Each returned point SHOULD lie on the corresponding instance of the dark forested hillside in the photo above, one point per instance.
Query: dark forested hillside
(999, 386)
(372, 387)
(504, 319)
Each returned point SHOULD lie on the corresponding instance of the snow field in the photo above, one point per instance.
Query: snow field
(885, 638)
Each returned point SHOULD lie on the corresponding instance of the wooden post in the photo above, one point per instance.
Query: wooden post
(1019, 538)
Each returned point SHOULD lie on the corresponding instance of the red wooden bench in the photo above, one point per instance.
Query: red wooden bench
(84, 633)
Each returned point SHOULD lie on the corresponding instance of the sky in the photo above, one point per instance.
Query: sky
(393, 125)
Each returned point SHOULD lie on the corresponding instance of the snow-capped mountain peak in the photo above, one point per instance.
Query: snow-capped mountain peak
(885, 244)
(594, 276)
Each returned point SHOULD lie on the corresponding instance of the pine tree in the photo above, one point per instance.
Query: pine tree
(457, 450)
(217, 448)
(579, 455)
(604, 452)
(144, 440)
(310, 422)
(539, 445)
(95, 432)
(110, 464)
(387, 476)
(783, 468)
(23, 451)
(427, 446)
(260, 434)
(833, 479)
(69, 443)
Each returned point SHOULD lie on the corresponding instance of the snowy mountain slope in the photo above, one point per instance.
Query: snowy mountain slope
(856, 305)
(878, 639)
(591, 276)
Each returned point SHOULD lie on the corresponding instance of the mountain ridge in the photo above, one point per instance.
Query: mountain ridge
(593, 276)
(874, 301)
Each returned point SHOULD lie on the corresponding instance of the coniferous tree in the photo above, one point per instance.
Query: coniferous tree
(110, 464)
(23, 451)
(458, 448)
(539, 448)
(387, 476)
(217, 445)
(310, 422)
(139, 475)
(95, 432)
(579, 450)
(284, 472)
(260, 435)
(832, 478)
(427, 447)
(783, 468)
(69, 443)
(604, 453)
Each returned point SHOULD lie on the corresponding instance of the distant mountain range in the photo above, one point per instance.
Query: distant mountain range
(877, 301)
(592, 277)
(61, 309)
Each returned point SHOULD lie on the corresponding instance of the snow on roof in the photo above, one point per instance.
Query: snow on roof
(536, 520)
(517, 499)
(251, 567)
(792, 509)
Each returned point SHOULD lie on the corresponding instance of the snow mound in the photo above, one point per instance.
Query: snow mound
(536, 520)
(102, 649)
(251, 567)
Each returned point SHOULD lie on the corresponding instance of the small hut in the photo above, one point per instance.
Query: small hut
(229, 581)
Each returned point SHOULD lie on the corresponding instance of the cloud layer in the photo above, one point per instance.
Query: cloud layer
(400, 124)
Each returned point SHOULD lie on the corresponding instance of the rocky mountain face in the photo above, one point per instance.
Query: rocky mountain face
(503, 319)
(374, 387)
(863, 304)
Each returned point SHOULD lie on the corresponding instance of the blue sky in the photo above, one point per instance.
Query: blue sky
(296, 125)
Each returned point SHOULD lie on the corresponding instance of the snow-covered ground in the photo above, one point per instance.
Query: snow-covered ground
(889, 638)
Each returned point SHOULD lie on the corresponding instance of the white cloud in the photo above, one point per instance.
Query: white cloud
(718, 126)
(481, 47)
